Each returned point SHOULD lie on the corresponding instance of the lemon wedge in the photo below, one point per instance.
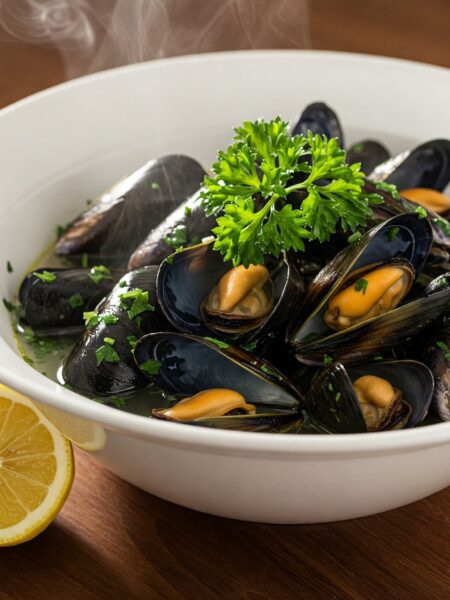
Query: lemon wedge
(36, 469)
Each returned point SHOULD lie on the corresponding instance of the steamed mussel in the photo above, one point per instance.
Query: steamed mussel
(303, 303)
(203, 295)
(370, 397)
(193, 370)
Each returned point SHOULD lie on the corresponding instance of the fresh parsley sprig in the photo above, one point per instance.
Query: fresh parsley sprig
(253, 178)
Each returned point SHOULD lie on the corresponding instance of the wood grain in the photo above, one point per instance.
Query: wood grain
(114, 541)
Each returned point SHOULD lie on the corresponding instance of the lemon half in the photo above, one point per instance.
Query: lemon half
(36, 469)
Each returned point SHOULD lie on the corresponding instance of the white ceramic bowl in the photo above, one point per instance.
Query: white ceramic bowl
(64, 145)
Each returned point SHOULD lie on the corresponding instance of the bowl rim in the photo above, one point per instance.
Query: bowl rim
(215, 440)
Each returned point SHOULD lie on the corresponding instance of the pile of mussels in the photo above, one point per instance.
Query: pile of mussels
(351, 337)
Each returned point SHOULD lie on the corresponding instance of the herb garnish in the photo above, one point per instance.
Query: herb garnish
(261, 163)
(61, 230)
(217, 342)
(187, 211)
(327, 360)
(155, 185)
(140, 303)
(76, 300)
(443, 346)
(91, 319)
(249, 346)
(98, 273)
(393, 233)
(151, 366)
(45, 276)
(9, 267)
(178, 237)
(354, 237)
(106, 353)
(122, 284)
(132, 341)
(443, 224)
(421, 212)
(117, 401)
(109, 319)
(388, 187)
(361, 285)
(85, 260)
(378, 357)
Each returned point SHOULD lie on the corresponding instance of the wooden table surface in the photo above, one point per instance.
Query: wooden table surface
(112, 540)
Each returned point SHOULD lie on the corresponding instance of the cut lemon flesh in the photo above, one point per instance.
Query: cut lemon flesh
(36, 469)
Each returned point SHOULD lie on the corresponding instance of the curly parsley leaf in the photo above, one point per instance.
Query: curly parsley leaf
(253, 178)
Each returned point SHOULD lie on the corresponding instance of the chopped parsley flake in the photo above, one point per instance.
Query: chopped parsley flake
(393, 233)
(91, 319)
(354, 237)
(106, 353)
(361, 285)
(150, 366)
(250, 346)
(109, 319)
(338, 396)
(132, 341)
(85, 260)
(442, 346)
(327, 360)
(217, 342)
(378, 357)
(388, 187)
(9, 267)
(169, 259)
(117, 401)
(271, 372)
(122, 283)
(61, 230)
(177, 238)
(76, 300)
(45, 276)
(330, 387)
(109, 340)
(187, 211)
(443, 224)
(155, 185)
(421, 212)
(140, 303)
(99, 273)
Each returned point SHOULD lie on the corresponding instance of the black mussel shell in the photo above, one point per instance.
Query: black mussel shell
(190, 216)
(427, 166)
(81, 370)
(286, 422)
(57, 308)
(332, 402)
(319, 118)
(122, 216)
(404, 237)
(436, 355)
(188, 365)
(398, 205)
(369, 153)
(186, 280)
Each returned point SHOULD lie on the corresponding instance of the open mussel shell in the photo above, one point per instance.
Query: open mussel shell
(82, 371)
(369, 153)
(57, 308)
(333, 405)
(188, 365)
(319, 118)
(186, 280)
(123, 216)
(404, 237)
(287, 422)
(427, 166)
(189, 217)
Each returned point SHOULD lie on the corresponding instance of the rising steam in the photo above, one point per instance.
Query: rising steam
(99, 34)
